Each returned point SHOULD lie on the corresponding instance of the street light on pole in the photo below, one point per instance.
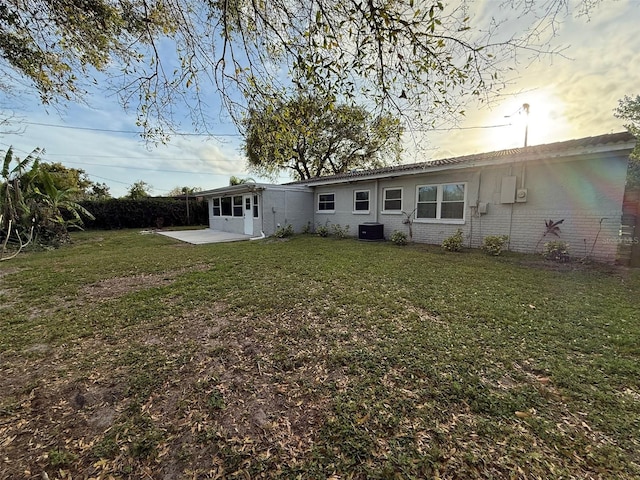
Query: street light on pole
(525, 107)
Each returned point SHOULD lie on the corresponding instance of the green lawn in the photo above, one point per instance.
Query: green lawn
(136, 356)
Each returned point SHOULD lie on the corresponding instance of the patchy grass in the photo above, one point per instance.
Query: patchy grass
(135, 356)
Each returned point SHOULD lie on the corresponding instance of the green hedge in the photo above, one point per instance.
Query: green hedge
(116, 213)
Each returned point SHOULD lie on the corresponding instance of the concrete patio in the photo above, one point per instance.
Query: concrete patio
(206, 235)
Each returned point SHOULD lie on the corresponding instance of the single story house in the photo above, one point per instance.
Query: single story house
(508, 192)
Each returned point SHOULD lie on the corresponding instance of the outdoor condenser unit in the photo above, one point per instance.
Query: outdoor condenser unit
(371, 231)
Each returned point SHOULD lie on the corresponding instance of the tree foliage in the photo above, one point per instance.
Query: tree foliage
(233, 180)
(629, 110)
(409, 55)
(17, 206)
(186, 190)
(55, 43)
(31, 204)
(311, 137)
(74, 180)
(138, 190)
(98, 191)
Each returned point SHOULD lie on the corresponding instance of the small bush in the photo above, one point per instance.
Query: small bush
(307, 228)
(454, 242)
(399, 238)
(558, 251)
(61, 458)
(493, 244)
(339, 231)
(283, 232)
(322, 231)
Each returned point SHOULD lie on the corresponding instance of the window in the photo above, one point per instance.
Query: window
(255, 206)
(361, 201)
(237, 206)
(441, 202)
(227, 206)
(326, 202)
(392, 200)
(225, 203)
(427, 202)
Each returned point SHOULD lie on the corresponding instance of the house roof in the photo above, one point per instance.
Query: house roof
(249, 187)
(590, 145)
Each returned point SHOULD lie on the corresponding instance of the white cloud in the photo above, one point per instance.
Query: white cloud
(569, 97)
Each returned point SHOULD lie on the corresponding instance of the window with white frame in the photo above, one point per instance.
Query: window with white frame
(255, 206)
(392, 201)
(441, 202)
(227, 206)
(326, 202)
(361, 201)
(216, 207)
(237, 206)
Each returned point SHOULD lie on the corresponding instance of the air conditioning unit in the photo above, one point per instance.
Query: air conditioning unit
(371, 231)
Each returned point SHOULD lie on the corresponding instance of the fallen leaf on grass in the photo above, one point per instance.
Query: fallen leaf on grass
(526, 414)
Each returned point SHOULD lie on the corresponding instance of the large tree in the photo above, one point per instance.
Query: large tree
(139, 190)
(629, 110)
(410, 55)
(73, 180)
(311, 137)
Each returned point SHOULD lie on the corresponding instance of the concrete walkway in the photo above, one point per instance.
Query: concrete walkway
(206, 235)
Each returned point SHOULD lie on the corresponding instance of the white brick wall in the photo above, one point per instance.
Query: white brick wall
(580, 191)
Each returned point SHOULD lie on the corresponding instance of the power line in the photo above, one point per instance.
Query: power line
(184, 134)
(127, 167)
(108, 179)
(479, 127)
(136, 132)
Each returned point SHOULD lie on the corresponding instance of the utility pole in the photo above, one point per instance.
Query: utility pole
(525, 107)
(186, 192)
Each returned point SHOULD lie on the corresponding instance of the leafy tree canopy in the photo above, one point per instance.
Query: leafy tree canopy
(65, 178)
(311, 137)
(98, 191)
(233, 180)
(138, 190)
(629, 110)
(75, 182)
(419, 58)
(177, 191)
(34, 202)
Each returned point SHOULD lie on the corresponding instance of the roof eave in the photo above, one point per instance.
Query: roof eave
(518, 156)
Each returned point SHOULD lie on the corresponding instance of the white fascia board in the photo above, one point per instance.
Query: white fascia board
(242, 188)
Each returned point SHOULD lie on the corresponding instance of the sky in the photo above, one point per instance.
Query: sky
(572, 95)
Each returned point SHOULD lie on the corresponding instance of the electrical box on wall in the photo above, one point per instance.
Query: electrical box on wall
(508, 190)
(482, 208)
(521, 195)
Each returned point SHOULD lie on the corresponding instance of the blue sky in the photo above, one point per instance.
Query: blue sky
(571, 95)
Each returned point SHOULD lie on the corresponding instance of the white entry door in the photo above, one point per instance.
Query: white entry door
(248, 214)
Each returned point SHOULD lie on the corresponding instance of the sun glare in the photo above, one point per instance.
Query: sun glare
(544, 122)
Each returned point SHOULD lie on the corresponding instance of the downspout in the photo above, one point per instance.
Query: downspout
(375, 217)
(511, 214)
(285, 209)
(474, 209)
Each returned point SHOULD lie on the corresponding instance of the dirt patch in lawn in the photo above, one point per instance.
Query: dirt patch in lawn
(118, 286)
(5, 292)
(187, 398)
